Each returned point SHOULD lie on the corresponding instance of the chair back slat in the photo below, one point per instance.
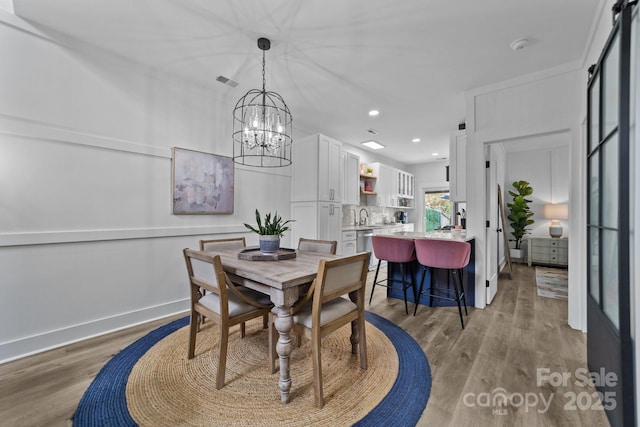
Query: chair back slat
(222, 244)
(340, 276)
(205, 271)
(318, 246)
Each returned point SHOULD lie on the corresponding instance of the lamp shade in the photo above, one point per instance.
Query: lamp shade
(556, 211)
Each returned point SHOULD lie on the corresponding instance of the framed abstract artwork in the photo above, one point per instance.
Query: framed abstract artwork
(202, 183)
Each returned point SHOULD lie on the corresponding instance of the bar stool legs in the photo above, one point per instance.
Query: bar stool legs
(458, 289)
(405, 283)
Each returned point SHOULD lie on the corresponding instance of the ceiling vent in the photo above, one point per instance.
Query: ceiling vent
(226, 81)
(373, 131)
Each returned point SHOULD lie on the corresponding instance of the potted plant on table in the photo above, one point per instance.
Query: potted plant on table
(520, 214)
(270, 231)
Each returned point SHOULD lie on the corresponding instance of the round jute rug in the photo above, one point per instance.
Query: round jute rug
(161, 387)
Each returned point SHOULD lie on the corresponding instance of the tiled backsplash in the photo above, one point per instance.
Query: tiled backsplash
(376, 214)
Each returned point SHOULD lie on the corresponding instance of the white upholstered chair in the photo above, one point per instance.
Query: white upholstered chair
(324, 309)
(223, 302)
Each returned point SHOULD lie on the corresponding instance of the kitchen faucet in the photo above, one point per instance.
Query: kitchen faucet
(366, 216)
(355, 217)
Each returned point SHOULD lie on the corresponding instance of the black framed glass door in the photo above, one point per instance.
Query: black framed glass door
(609, 343)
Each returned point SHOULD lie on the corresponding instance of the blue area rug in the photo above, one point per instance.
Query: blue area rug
(104, 402)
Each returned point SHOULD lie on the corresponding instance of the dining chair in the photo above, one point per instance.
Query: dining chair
(226, 304)
(231, 243)
(323, 310)
(222, 244)
(398, 251)
(452, 256)
(319, 246)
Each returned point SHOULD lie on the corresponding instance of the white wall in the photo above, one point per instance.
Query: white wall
(547, 173)
(88, 243)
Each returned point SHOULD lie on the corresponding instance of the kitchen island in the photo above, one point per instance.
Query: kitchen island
(440, 278)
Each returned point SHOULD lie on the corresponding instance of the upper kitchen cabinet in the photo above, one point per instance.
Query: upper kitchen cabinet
(458, 167)
(351, 178)
(405, 185)
(316, 169)
(391, 187)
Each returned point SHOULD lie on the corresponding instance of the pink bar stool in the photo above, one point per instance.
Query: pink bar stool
(447, 255)
(400, 251)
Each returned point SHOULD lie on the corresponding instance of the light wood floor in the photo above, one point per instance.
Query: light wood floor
(502, 346)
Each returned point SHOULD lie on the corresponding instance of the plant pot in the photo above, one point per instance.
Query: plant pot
(269, 244)
(516, 253)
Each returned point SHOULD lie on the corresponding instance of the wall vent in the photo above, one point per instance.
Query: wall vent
(226, 81)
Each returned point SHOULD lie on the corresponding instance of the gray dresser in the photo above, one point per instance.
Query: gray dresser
(548, 251)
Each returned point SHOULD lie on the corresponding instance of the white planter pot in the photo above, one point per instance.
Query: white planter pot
(516, 253)
(269, 244)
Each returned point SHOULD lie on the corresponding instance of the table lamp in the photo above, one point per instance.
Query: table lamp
(556, 212)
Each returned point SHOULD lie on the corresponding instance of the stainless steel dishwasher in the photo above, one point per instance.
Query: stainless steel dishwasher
(363, 244)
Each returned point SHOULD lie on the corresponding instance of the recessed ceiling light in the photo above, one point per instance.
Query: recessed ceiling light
(373, 145)
(374, 113)
(434, 154)
(415, 140)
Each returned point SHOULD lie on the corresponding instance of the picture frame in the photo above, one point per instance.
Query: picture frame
(201, 183)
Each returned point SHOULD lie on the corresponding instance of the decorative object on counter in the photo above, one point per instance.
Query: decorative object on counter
(556, 212)
(401, 217)
(520, 214)
(271, 232)
(463, 219)
(262, 125)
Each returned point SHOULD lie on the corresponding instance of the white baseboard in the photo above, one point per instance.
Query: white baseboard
(39, 343)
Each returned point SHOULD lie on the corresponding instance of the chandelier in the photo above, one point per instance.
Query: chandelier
(262, 126)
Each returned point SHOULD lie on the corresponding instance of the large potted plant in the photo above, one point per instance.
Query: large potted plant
(520, 214)
(270, 231)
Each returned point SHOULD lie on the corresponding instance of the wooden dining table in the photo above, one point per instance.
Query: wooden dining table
(281, 280)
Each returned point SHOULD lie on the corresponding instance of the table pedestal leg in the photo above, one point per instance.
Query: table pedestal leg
(283, 325)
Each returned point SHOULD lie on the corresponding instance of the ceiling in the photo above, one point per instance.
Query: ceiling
(334, 60)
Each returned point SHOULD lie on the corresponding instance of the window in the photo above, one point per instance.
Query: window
(437, 210)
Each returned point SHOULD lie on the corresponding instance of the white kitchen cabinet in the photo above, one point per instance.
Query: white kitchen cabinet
(458, 167)
(349, 243)
(394, 188)
(383, 185)
(316, 220)
(351, 178)
(316, 169)
(405, 185)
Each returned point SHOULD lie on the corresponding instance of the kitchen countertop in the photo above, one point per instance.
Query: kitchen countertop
(436, 235)
(370, 227)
